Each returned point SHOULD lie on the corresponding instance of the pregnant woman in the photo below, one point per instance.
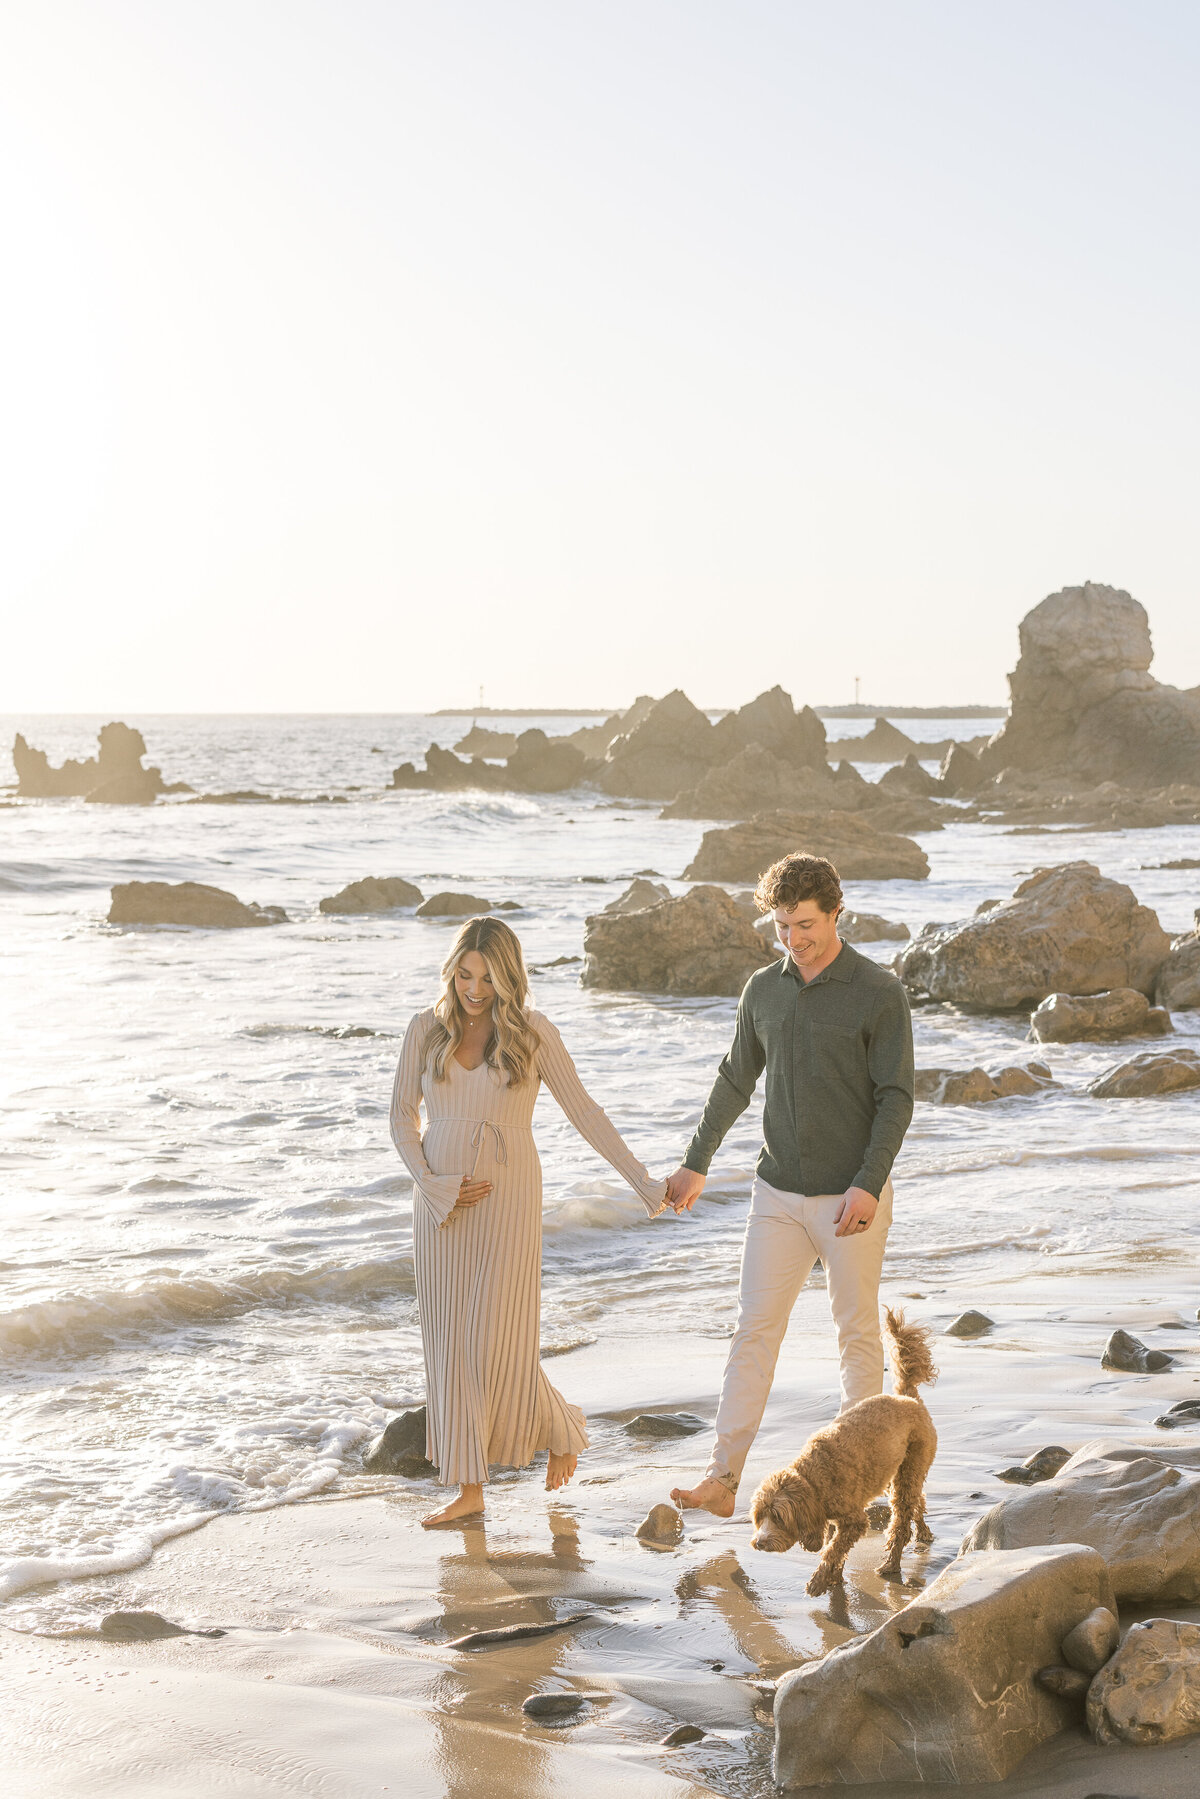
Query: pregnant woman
(476, 1060)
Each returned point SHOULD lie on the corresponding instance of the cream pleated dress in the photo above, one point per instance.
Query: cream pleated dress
(479, 1270)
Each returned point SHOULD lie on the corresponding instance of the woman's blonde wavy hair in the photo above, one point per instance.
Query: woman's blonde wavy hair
(513, 1044)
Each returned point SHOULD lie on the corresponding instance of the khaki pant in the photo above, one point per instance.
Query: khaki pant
(786, 1234)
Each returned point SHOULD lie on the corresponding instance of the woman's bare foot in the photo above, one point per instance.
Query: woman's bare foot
(469, 1504)
(559, 1470)
(710, 1496)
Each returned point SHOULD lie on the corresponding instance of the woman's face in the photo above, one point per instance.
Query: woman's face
(473, 985)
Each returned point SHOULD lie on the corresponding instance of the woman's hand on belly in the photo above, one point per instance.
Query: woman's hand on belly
(470, 1193)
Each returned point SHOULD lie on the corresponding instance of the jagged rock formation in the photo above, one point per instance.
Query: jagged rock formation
(187, 903)
(858, 849)
(772, 723)
(375, 893)
(481, 741)
(538, 764)
(699, 944)
(756, 780)
(638, 895)
(113, 777)
(1179, 976)
(668, 751)
(594, 740)
(1066, 929)
(1084, 703)
(908, 777)
(661, 755)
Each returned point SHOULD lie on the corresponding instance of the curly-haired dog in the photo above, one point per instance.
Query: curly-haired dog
(887, 1442)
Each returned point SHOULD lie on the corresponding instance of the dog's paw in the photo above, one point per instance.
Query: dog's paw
(924, 1534)
(890, 1571)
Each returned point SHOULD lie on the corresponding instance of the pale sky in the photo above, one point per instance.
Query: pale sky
(359, 354)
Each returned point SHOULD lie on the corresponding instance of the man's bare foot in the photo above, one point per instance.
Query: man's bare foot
(559, 1470)
(710, 1496)
(469, 1504)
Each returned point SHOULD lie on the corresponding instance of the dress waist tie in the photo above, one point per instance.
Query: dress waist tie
(501, 1148)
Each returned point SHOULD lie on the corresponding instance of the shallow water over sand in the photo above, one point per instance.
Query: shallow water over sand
(206, 1296)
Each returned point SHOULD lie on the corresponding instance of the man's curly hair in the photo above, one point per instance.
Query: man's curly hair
(795, 878)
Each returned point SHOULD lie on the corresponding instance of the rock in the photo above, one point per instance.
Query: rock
(884, 742)
(1187, 1411)
(975, 1086)
(375, 893)
(515, 1633)
(638, 896)
(480, 741)
(1130, 1356)
(1066, 929)
(662, 1527)
(664, 1424)
(187, 903)
(145, 1627)
(114, 777)
(858, 850)
(772, 723)
(553, 1705)
(1138, 1512)
(960, 775)
(1044, 1464)
(453, 905)
(1017, 1082)
(682, 1733)
(910, 778)
(1092, 1641)
(446, 774)
(1148, 1076)
(1084, 703)
(698, 944)
(1098, 1017)
(945, 1691)
(869, 927)
(400, 1449)
(542, 764)
(970, 1324)
(1149, 1693)
(1068, 1683)
(756, 780)
(1179, 977)
(594, 740)
(663, 754)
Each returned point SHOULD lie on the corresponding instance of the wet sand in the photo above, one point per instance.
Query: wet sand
(336, 1675)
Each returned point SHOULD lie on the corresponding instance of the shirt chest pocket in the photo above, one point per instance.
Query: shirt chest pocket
(838, 1050)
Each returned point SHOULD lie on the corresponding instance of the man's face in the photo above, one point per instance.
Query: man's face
(806, 933)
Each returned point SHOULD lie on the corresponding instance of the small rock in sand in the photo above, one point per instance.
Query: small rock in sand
(664, 1424)
(1186, 1412)
(553, 1705)
(662, 1527)
(1044, 1464)
(1150, 1691)
(969, 1324)
(1066, 1683)
(453, 905)
(1092, 1641)
(146, 1627)
(682, 1733)
(401, 1448)
(1130, 1355)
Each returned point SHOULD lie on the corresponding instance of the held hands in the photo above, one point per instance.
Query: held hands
(684, 1188)
(470, 1193)
(856, 1213)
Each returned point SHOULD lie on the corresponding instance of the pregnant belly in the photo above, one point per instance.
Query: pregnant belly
(447, 1145)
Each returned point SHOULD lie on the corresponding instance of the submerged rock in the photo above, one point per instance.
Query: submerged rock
(1130, 1355)
(698, 944)
(187, 903)
(1067, 929)
(375, 893)
(1138, 1512)
(957, 1666)
(975, 1086)
(400, 1448)
(454, 905)
(1098, 1017)
(1149, 1692)
(662, 1527)
(1149, 1076)
(664, 1424)
(859, 850)
(1043, 1464)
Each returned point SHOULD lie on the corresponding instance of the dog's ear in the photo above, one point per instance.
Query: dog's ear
(790, 1507)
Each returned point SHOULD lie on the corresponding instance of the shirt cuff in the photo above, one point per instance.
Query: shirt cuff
(870, 1183)
(439, 1194)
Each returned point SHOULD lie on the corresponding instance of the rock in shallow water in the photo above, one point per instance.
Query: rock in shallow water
(190, 903)
(1098, 1017)
(682, 1733)
(1130, 1356)
(700, 944)
(401, 1448)
(1149, 1076)
(453, 905)
(662, 1527)
(970, 1324)
(374, 893)
(1150, 1691)
(664, 1424)
(1044, 1464)
(146, 1627)
(1187, 1411)
(553, 1705)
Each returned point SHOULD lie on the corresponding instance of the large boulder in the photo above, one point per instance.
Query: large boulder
(1083, 701)
(1149, 1076)
(375, 893)
(187, 903)
(542, 764)
(1067, 929)
(1179, 977)
(115, 776)
(1149, 1691)
(699, 944)
(961, 774)
(945, 1692)
(909, 778)
(858, 850)
(1133, 1507)
(454, 905)
(756, 780)
(772, 722)
(1098, 1017)
(663, 754)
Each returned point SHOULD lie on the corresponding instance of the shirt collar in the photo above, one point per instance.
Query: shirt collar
(840, 969)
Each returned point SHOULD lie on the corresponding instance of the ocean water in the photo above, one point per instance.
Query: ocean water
(206, 1293)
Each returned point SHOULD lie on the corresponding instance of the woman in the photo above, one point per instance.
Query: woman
(476, 1059)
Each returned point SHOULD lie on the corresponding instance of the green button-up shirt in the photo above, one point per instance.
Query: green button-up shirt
(838, 1052)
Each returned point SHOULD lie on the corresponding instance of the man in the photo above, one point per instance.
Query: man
(833, 1031)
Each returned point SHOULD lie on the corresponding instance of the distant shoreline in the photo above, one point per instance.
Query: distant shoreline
(821, 711)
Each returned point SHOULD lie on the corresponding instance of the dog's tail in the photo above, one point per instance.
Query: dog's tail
(912, 1358)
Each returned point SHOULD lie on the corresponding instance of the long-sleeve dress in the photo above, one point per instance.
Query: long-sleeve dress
(479, 1270)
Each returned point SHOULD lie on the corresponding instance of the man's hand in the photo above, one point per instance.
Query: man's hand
(470, 1193)
(684, 1188)
(856, 1213)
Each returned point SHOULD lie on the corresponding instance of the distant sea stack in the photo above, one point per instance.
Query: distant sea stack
(114, 777)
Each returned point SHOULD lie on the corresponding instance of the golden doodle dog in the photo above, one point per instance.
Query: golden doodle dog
(884, 1443)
